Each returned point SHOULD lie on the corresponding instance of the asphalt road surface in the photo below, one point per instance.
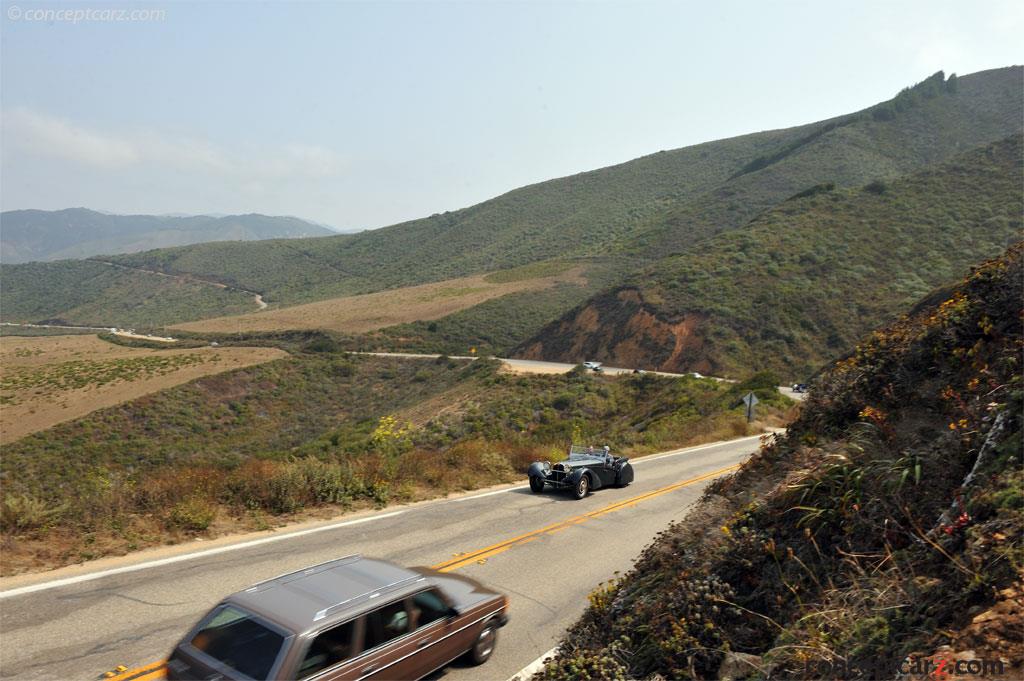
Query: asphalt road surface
(547, 552)
(529, 365)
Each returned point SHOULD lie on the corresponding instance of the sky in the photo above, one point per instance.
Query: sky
(360, 115)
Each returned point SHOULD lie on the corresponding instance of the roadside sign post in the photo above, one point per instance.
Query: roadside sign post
(750, 399)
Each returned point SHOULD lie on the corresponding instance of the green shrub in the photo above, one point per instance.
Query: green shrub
(585, 665)
(342, 368)
(764, 380)
(876, 187)
(23, 514)
(322, 344)
(191, 515)
(563, 401)
(496, 465)
(329, 483)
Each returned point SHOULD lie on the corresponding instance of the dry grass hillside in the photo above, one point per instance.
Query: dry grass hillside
(372, 311)
(48, 380)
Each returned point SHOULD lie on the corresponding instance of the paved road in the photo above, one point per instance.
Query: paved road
(529, 365)
(788, 392)
(547, 552)
(559, 367)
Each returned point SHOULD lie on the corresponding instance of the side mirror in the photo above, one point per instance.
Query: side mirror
(453, 611)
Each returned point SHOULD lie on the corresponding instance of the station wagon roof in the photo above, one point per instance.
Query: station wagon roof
(304, 599)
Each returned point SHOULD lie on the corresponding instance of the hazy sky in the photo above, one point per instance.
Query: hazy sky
(360, 115)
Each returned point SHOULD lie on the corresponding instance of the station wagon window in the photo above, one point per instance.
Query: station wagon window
(386, 623)
(430, 606)
(328, 649)
(237, 639)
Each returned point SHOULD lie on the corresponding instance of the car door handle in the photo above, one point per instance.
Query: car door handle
(368, 670)
(424, 643)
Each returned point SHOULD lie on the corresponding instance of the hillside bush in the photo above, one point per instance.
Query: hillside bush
(803, 281)
(881, 526)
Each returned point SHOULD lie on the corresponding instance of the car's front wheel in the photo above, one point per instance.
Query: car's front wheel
(582, 487)
(536, 484)
(484, 644)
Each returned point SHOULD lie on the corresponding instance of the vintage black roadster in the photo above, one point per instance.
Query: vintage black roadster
(585, 469)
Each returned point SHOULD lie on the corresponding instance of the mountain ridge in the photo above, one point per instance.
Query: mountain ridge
(803, 280)
(72, 233)
(631, 216)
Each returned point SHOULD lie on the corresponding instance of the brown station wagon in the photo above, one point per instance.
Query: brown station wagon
(350, 618)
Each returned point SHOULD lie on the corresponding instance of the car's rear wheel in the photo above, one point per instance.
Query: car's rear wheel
(536, 484)
(484, 644)
(582, 487)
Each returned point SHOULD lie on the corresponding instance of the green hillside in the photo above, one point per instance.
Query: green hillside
(922, 125)
(643, 209)
(803, 281)
(95, 294)
(883, 528)
(569, 216)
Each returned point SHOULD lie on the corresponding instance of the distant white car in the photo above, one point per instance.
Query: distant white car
(596, 366)
(696, 374)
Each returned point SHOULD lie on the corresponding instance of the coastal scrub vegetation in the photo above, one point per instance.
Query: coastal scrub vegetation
(883, 527)
(327, 430)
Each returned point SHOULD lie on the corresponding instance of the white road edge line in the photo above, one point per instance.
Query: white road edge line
(488, 494)
(43, 586)
(687, 450)
(67, 581)
(529, 670)
(534, 667)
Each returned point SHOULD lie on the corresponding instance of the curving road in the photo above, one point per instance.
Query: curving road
(256, 297)
(547, 552)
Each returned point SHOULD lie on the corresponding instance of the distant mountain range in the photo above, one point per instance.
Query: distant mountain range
(41, 235)
(768, 250)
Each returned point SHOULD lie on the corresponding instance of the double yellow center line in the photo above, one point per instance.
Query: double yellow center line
(156, 670)
(494, 549)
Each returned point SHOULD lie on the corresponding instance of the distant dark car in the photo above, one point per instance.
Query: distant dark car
(350, 618)
(584, 470)
(799, 387)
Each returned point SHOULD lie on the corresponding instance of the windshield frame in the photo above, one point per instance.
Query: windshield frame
(287, 638)
(578, 452)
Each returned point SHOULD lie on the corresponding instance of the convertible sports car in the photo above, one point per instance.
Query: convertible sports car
(585, 469)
